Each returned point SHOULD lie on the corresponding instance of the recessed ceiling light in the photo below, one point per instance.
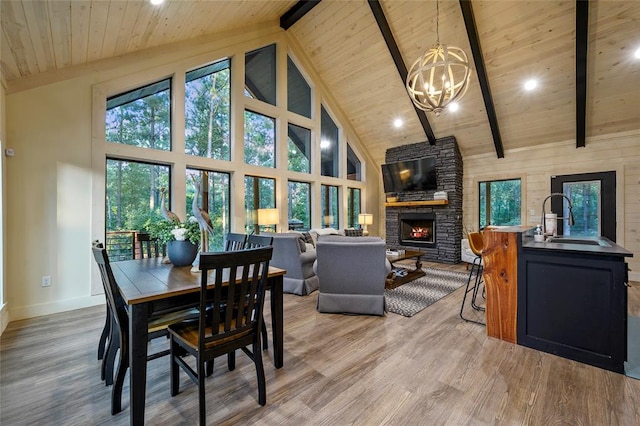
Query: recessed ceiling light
(324, 144)
(453, 106)
(637, 53)
(156, 2)
(397, 123)
(530, 85)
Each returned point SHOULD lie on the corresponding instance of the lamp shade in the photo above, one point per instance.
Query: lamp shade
(365, 219)
(268, 217)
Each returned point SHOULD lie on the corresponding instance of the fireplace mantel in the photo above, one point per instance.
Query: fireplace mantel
(417, 203)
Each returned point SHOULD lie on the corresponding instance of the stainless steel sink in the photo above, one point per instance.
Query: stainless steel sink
(581, 241)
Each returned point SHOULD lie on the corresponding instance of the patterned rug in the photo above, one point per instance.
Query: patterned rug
(414, 296)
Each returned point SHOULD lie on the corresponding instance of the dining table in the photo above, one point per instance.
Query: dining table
(151, 288)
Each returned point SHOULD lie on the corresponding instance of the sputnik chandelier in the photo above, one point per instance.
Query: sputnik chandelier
(439, 77)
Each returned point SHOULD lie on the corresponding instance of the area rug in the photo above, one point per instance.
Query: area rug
(632, 366)
(414, 296)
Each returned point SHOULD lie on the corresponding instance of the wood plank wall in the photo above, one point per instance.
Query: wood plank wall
(536, 165)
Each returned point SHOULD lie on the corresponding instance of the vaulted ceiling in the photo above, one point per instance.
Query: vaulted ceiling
(519, 40)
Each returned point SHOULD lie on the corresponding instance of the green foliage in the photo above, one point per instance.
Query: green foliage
(500, 202)
(165, 230)
(207, 115)
(259, 139)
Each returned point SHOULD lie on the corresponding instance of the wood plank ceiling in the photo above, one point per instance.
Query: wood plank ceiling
(519, 40)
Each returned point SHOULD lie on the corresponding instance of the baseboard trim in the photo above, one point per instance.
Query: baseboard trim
(33, 311)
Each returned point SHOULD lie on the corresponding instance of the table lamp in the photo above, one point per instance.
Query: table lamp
(268, 217)
(365, 219)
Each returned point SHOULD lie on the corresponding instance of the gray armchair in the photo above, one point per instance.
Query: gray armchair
(288, 254)
(352, 273)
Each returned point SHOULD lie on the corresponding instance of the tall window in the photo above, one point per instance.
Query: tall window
(141, 117)
(298, 91)
(132, 200)
(328, 145)
(299, 205)
(215, 200)
(329, 206)
(353, 207)
(299, 149)
(353, 165)
(207, 92)
(500, 202)
(259, 139)
(260, 74)
(259, 193)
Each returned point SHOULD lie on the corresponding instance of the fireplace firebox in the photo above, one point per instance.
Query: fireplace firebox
(417, 229)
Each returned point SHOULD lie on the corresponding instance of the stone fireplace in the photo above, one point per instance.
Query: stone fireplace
(438, 226)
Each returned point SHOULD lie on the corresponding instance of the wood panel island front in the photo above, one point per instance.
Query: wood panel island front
(566, 296)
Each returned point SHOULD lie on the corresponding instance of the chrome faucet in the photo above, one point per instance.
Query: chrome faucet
(542, 220)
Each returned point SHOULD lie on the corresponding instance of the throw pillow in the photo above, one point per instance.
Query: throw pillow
(353, 232)
(307, 238)
(302, 245)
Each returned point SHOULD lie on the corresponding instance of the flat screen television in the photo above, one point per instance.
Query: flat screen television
(413, 175)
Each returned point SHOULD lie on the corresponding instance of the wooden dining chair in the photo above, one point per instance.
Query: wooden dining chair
(234, 241)
(118, 340)
(254, 241)
(230, 318)
(148, 247)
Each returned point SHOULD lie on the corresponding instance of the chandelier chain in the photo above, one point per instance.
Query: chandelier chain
(437, 23)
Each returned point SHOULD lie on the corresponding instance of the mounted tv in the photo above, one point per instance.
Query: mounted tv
(414, 175)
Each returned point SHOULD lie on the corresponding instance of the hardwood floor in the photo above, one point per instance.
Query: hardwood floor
(432, 368)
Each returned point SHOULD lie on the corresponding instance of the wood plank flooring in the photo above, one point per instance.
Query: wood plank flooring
(432, 368)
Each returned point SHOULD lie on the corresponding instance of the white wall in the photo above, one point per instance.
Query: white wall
(50, 180)
(535, 166)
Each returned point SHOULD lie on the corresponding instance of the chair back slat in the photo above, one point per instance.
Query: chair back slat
(255, 241)
(235, 241)
(149, 247)
(235, 302)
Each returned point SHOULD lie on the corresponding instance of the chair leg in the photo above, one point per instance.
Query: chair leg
(202, 402)
(262, 387)
(116, 392)
(105, 333)
(265, 340)
(174, 368)
(476, 288)
(473, 289)
(231, 360)
(209, 368)
(109, 360)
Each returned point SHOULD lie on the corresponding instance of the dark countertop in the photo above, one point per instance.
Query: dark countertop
(529, 243)
(612, 250)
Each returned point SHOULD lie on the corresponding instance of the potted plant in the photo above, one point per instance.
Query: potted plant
(181, 238)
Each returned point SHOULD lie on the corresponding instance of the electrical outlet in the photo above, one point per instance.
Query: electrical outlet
(46, 281)
(532, 212)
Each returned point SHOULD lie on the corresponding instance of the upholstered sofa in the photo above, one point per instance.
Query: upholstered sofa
(292, 254)
(351, 273)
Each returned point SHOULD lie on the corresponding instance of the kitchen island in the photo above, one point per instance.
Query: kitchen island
(566, 297)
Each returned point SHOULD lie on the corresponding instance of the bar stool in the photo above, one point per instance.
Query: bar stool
(475, 244)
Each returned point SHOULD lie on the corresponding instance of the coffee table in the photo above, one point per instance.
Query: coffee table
(394, 281)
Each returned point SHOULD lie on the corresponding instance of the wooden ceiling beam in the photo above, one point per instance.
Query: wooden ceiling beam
(296, 12)
(483, 80)
(383, 24)
(582, 47)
